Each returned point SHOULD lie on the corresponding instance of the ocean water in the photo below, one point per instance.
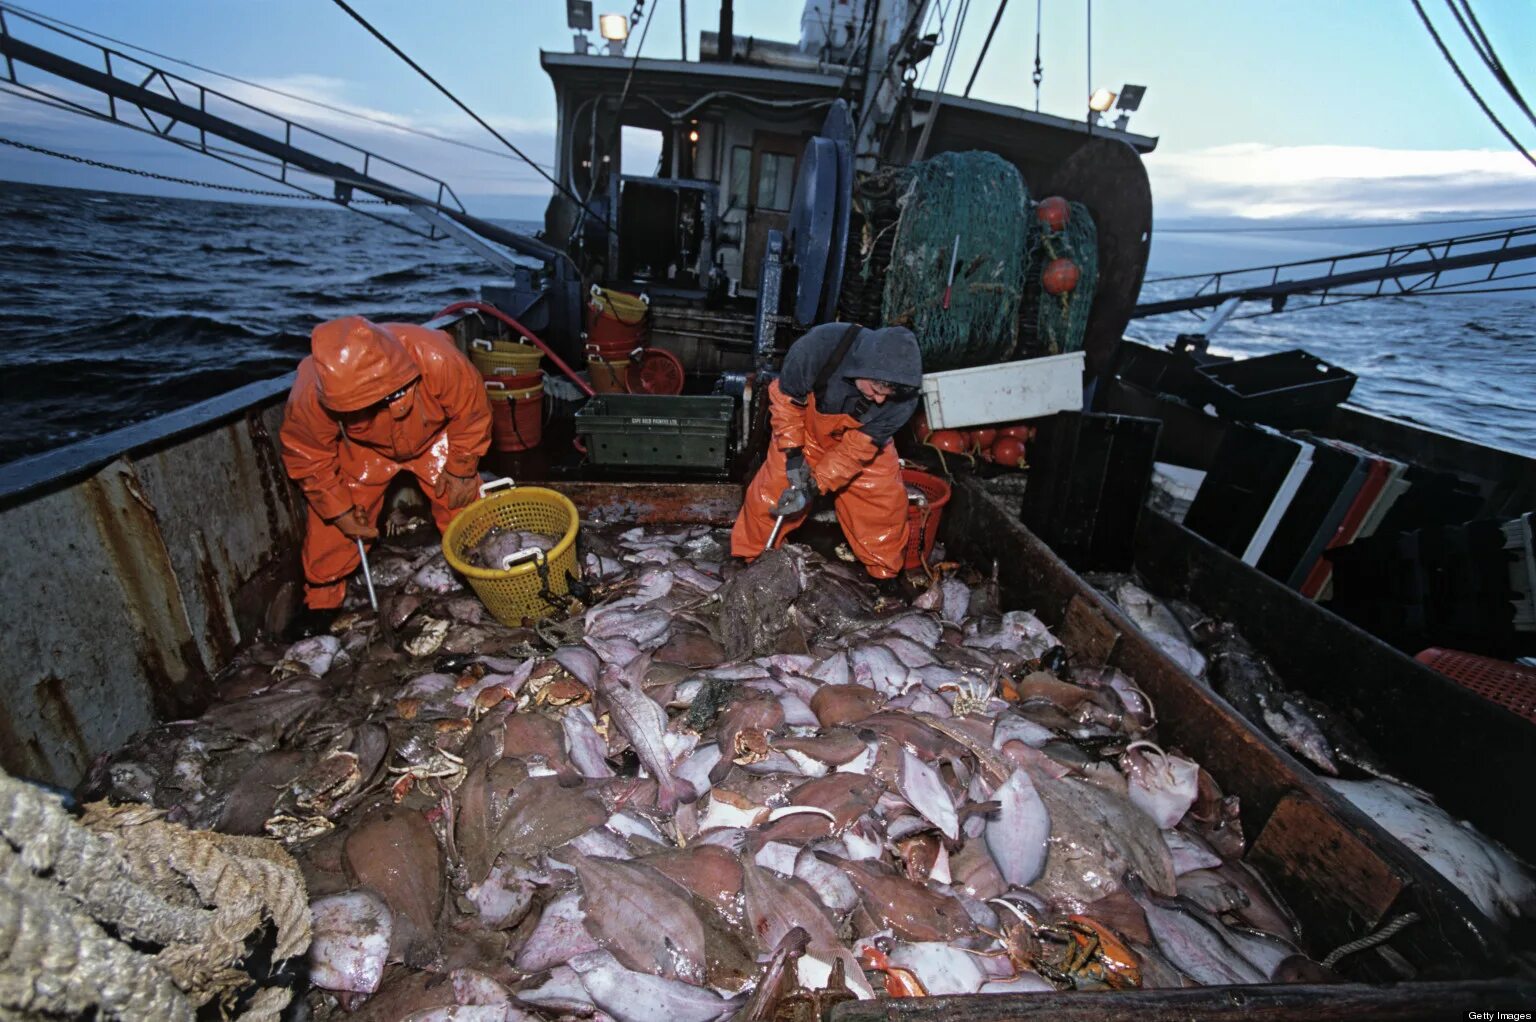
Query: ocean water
(120, 307)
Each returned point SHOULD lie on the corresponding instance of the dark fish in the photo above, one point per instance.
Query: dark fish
(645, 920)
(395, 853)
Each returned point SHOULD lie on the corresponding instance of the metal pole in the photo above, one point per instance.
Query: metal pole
(725, 46)
(1090, 64)
(682, 17)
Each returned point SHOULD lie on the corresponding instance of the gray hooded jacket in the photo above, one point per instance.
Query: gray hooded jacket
(889, 354)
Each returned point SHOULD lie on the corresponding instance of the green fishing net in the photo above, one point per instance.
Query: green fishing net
(974, 204)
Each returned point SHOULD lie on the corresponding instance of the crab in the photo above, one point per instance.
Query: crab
(1072, 952)
(971, 695)
(750, 746)
(488, 699)
(441, 765)
(551, 687)
(327, 782)
(290, 829)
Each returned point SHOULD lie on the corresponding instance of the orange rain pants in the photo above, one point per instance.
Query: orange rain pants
(443, 425)
(868, 494)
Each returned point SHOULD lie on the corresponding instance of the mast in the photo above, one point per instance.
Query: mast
(896, 25)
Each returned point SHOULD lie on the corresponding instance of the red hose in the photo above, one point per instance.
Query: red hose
(495, 313)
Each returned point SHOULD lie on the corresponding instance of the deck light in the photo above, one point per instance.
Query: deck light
(615, 28)
(693, 136)
(1101, 100)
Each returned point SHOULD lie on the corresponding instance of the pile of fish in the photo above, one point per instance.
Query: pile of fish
(715, 791)
(1216, 653)
(502, 548)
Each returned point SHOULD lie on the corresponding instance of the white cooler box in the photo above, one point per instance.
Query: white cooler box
(1005, 392)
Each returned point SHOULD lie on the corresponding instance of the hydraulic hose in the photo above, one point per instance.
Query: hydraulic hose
(495, 313)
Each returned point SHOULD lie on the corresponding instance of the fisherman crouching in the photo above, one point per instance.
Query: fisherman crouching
(843, 393)
(373, 400)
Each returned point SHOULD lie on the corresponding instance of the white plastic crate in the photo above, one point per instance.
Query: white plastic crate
(1520, 543)
(1005, 392)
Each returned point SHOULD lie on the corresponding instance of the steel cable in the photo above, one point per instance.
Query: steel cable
(1471, 89)
(381, 37)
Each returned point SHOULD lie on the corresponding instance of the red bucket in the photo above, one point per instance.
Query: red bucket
(512, 380)
(517, 413)
(617, 323)
(609, 376)
(923, 515)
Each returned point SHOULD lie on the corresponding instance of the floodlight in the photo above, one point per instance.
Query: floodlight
(1130, 97)
(615, 27)
(1101, 100)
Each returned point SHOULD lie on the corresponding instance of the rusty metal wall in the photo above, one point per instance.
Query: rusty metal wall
(119, 578)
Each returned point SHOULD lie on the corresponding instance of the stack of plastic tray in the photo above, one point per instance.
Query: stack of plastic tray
(1512, 686)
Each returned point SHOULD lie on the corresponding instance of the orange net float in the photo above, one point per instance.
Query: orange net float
(1054, 212)
(1008, 451)
(1060, 276)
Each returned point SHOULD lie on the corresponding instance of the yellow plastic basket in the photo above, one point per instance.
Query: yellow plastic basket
(515, 595)
(492, 356)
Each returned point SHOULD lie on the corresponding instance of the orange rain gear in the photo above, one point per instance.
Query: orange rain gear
(343, 445)
(869, 496)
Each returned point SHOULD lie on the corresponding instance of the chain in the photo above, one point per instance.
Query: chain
(176, 180)
(1039, 74)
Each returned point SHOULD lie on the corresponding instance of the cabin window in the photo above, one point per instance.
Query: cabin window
(640, 152)
(741, 176)
(775, 181)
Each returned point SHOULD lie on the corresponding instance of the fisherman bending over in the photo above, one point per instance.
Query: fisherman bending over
(373, 400)
(843, 393)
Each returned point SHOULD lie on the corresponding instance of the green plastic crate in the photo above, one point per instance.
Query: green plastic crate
(657, 431)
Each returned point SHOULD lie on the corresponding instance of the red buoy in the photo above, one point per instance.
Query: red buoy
(948, 440)
(1060, 276)
(920, 428)
(1008, 451)
(1054, 212)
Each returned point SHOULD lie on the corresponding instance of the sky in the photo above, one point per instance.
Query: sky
(1304, 109)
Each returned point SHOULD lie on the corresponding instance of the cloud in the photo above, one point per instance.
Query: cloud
(333, 91)
(1338, 182)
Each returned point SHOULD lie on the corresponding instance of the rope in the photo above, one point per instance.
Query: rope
(1370, 940)
(979, 198)
(83, 903)
(172, 179)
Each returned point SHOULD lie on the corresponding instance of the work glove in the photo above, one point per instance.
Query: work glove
(458, 491)
(800, 490)
(798, 472)
(354, 524)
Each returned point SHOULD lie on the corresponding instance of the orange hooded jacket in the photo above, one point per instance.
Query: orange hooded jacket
(356, 364)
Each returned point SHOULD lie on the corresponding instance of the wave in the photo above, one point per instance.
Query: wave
(246, 249)
(406, 276)
(162, 333)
